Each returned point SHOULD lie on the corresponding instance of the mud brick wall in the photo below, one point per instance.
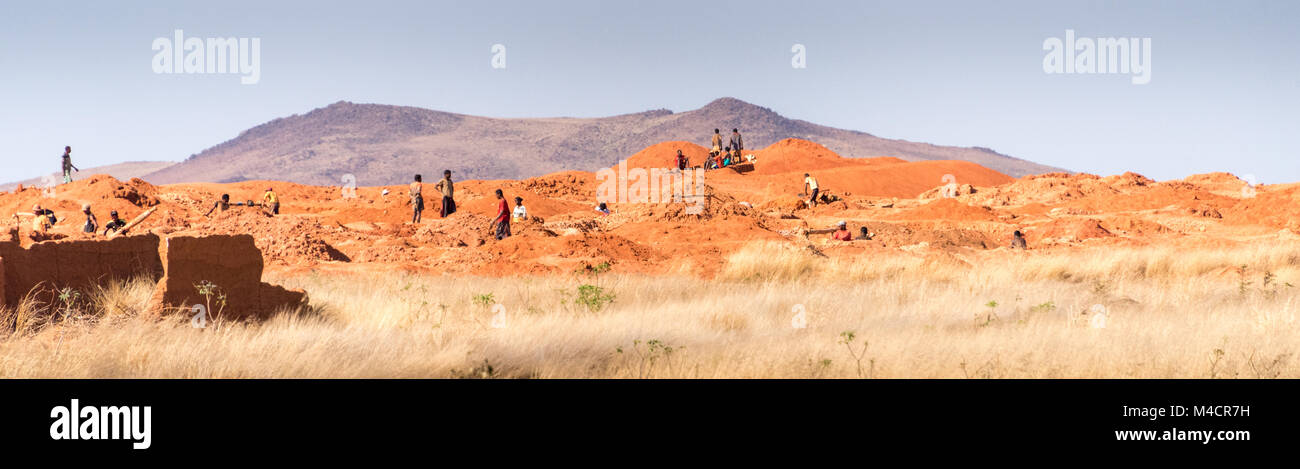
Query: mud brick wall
(177, 263)
(231, 262)
(79, 264)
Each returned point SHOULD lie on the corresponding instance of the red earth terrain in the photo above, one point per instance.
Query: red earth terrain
(935, 208)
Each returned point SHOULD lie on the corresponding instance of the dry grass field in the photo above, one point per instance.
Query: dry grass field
(773, 312)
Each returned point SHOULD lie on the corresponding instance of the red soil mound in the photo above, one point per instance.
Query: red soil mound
(800, 156)
(664, 155)
(950, 210)
(1131, 225)
(1224, 183)
(1073, 229)
(283, 240)
(566, 185)
(1274, 209)
(907, 180)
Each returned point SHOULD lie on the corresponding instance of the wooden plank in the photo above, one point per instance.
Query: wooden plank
(131, 224)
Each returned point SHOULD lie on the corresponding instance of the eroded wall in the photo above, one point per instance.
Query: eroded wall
(177, 263)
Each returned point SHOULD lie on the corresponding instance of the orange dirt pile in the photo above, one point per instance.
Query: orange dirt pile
(1073, 230)
(664, 155)
(906, 204)
(950, 210)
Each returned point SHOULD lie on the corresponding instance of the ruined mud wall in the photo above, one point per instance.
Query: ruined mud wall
(231, 262)
(79, 264)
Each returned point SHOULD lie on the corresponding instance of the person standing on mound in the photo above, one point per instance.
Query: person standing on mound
(92, 223)
(67, 165)
(503, 217)
(448, 194)
(810, 187)
(271, 202)
(717, 143)
(417, 198)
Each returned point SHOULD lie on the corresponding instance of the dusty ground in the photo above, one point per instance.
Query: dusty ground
(1125, 277)
(905, 204)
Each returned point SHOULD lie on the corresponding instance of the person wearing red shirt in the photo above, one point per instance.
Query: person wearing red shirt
(842, 233)
(503, 217)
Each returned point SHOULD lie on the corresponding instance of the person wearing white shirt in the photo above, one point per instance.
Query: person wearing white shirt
(520, 212)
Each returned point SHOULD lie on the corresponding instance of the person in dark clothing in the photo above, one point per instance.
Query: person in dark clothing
(223, 204)
(1018, 241)
(737, 143)
(92, 223)
(114, 223)
(681, 161)
(503, 217)
(864, 234)
(448, 194)
(67, 165)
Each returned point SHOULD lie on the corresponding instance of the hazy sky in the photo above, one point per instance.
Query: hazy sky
(1224, 92)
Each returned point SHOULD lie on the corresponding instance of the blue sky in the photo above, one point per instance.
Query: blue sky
(1224, 93)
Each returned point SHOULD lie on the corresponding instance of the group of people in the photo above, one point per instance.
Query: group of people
(842, 232)
(44, 220)
(500, 223)
(721, 157)
(270, 203)
(445, 186)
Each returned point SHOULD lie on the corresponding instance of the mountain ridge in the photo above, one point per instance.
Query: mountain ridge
(386, 144)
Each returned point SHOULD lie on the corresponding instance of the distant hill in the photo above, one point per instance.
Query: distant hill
(121, 171)
(382, 144)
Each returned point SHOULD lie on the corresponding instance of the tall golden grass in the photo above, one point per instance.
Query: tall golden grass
(1169, 314)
